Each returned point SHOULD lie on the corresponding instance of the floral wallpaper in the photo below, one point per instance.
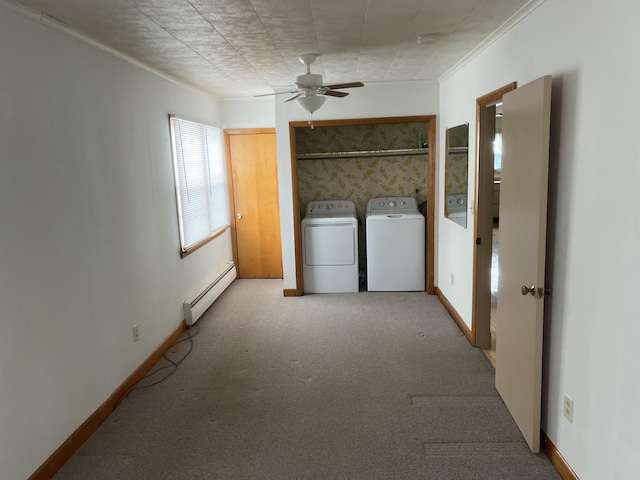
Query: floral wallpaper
(348, 138)
(361, 178)
(457, 173)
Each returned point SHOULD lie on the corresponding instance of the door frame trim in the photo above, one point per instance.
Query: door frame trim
(431, 184)
(479, 324)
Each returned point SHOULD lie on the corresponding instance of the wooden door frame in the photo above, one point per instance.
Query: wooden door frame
(230, 193)
(431, 183)
(480, 322)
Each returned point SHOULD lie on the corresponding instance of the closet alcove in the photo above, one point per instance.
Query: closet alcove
(359, 159)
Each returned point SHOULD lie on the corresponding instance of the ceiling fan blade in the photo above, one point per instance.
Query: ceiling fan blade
(346, 85)
(334, 93)
(275, 93)
(294, 97)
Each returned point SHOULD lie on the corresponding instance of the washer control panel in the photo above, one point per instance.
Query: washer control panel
(331, 208)
(392, 205)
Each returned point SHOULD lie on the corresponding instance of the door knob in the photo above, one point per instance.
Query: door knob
(531, 290)
(536, 292)
(239, 216)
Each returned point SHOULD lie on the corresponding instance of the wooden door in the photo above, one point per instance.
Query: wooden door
(523, 226)
(256, 215)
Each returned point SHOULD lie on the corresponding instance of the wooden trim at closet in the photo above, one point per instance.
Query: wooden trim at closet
(297, 235)
(431, 185)
(431, 206)
(65, 451)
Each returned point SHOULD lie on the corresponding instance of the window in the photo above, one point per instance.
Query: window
(201, 182)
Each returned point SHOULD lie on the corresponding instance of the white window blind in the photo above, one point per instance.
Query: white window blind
(201, 181)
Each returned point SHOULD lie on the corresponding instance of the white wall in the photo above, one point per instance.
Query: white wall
(88, 231)
(592, 325)
(248, 112)
(374, 100)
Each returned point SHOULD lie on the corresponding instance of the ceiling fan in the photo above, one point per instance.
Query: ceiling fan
(312, 92)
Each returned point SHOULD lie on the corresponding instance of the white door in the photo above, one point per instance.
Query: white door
(523, 228)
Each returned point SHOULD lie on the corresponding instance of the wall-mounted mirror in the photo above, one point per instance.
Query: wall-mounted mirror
(456, 174)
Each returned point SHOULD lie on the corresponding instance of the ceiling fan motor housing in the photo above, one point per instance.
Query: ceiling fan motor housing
(309, 80)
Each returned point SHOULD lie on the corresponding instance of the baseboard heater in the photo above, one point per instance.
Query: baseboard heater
(194, 308)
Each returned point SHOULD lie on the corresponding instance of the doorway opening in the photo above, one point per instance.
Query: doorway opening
(486, 250)
(496, 110)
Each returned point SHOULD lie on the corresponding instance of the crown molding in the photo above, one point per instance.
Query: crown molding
(50, 22)
(499, 32)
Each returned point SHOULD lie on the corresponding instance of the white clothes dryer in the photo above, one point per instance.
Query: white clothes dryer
(330, 247)
(395, 232)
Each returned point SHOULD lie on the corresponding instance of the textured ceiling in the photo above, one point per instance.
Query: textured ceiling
(237, 48)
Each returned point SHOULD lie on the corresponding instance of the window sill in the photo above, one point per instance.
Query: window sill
(203, 242)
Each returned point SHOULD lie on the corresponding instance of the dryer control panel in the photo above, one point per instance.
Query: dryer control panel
(326, 208)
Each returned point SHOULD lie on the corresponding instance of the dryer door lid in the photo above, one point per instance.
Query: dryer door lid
(330, 244)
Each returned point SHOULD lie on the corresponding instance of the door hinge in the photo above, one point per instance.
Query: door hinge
(478, 241)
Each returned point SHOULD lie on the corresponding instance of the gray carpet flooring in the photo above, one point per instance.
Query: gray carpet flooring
(368, 385)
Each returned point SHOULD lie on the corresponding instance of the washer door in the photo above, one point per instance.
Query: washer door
(330, 244)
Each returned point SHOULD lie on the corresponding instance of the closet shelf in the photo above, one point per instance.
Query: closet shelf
(458, 149)
(364, 153)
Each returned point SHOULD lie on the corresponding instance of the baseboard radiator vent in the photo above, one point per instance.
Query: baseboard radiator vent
(194, 308)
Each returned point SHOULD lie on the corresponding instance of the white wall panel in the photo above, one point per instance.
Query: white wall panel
(593, 259)
(249, 112)
(88, 238)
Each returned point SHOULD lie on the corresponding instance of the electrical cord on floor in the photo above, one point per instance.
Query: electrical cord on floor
(173, 365)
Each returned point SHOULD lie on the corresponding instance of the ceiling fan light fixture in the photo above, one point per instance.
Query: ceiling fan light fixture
(311, 92)
(428, 39)
(308, 58)
(311, 103)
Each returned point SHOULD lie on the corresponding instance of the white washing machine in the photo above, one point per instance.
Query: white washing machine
(395, 231)
(330, 247)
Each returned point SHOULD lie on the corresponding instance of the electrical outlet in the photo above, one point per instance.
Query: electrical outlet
(136, 333)
(568, 408)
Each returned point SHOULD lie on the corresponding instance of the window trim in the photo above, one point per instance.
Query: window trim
(203, 242)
